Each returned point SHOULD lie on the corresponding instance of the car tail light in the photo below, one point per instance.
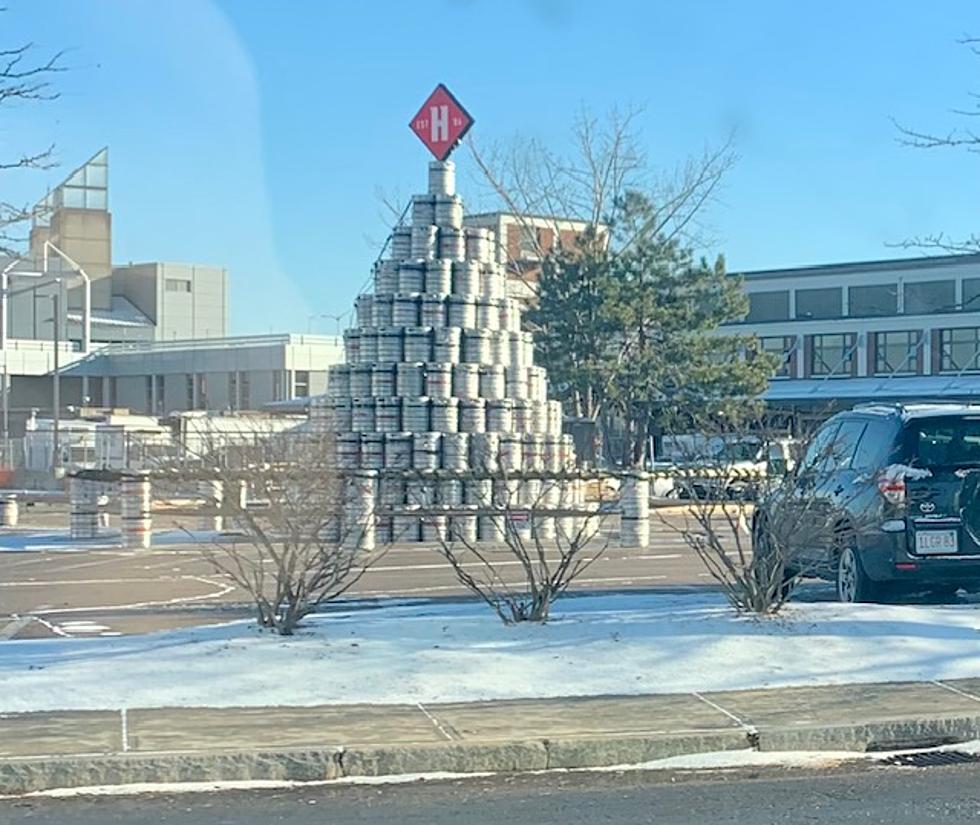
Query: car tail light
(893, 489)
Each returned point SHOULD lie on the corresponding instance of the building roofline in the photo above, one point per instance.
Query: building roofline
(920, 262)
(509, 214)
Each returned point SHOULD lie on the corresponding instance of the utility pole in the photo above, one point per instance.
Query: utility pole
(56, 390)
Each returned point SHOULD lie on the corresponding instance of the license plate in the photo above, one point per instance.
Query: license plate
(936, 542)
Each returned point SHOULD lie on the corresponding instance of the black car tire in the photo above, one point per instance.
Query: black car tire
(853, 584)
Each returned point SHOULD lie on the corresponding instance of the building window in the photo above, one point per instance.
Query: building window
(177, 285)
(202, 391)
(879, 299)
(161, 387)
(301, 383)
(783, 347)
(832, 355)
(819, 303)
(768, 306)
(927, 297)
(233, 390)
(971, 295)
(149, 393)
(959, 349)
(277, 385)
(245, 391)
(897, 353)
(529, 243)
(190, 392)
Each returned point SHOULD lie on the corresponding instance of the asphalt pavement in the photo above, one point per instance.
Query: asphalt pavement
(843, 795)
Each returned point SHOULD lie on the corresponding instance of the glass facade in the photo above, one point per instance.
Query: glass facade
(85, 188)
(783, 347)
(877, 299)
(926, 297)
(819, 303)
(769, 306)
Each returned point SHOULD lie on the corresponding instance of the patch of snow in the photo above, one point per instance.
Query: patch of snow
(437, 652)
(897, 472)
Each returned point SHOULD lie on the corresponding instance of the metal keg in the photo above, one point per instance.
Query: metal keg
(410, 380)
(487, 314)
(568, 451)
(476, 346)
(390, 345)
(364, 307)
(340, 415)
(555, 417)
(425, 451)
(517, 382)
(551, 453)
(446, 345)
(485, 452)
(461, 312)
(391, 492)
(472, 415)
(362, 415)
(522, 416)
(398, 451)
(449, 213)
(491, 529)
(425, 244)
(135, 511)
(360, 381)
(338, 381)
(537, 383)
(352, 346)
(415, 415)
(372, 451)
(494, 285)
(439, 276)
(511, 453)
(533, 453)
(435, 527)
(511, 315)
(405, 525)
(369, 345)
(455, 450)
(500, 348)
(383, 309)
(466, 380)
(539, 416)
(463, 528)
(433, 311)
(9, 511)
(438, 380)
(421, 493)
(348, 451)
(405, 310)
(401, 245)
(500, 416)
(452, 244)
(466, 278)
(387, 416)
(444, 415)
(478, 244)
(478, 492)
(423, 210)
(418, 344)
(411, 278)
(493, 384)
(442, 177)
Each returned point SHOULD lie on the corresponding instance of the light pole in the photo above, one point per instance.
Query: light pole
(57, 469)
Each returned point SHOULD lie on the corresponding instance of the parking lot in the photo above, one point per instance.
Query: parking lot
(52, 586)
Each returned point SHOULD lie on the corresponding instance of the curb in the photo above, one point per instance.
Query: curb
(19, 776)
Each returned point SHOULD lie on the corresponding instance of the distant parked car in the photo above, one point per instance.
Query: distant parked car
(735, 470)
(885, 500)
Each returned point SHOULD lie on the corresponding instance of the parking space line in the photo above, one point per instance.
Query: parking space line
(740, 722)
(435, 722)
(955, 690)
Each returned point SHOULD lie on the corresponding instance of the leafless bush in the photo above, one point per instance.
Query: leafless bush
(546, 541)
(296, 552)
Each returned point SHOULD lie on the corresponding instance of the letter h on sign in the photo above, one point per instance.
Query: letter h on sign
(441, 122)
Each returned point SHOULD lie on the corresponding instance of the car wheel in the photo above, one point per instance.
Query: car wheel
(853, 584)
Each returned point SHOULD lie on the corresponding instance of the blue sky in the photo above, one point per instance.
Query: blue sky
(260, 135)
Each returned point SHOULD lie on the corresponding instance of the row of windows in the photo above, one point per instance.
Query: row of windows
(889, 353)
(918, 298)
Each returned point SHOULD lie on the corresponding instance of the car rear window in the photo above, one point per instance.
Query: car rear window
(944, 442)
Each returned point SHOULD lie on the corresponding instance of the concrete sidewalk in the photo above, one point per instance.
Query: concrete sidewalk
(74, 748)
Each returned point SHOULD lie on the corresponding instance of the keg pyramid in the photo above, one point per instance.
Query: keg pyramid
(439, 375)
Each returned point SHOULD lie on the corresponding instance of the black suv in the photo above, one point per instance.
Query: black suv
(885, 499)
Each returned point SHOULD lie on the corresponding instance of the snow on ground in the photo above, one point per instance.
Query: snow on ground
(407, 653)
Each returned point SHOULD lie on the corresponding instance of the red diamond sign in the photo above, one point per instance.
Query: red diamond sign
(441, 122)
